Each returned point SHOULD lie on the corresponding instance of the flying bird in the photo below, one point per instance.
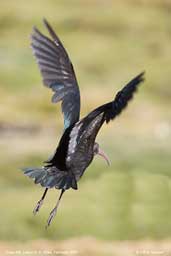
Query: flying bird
(77, 146)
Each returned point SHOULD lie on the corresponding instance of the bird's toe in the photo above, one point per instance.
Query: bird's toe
(38, 206)
(51, 216)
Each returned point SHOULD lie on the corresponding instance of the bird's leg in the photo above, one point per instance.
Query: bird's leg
(40, 202)
(54, 211)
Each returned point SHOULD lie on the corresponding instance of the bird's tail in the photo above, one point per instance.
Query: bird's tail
(50, 177)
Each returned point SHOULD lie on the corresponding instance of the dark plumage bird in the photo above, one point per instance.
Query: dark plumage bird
(77, 146)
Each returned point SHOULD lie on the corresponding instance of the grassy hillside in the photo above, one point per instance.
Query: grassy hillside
(109, 43)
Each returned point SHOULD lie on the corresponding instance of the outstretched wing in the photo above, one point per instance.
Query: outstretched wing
(57, 72)
(83, 135)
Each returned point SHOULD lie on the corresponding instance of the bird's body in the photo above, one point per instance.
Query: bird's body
(77, 146)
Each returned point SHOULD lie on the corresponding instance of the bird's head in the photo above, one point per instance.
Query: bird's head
(98, 151)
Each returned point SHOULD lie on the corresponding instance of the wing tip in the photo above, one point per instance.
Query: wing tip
(124, 96)
(35, 30)
(34, 34)
(49, 28)
(141, 77)
(45, 22)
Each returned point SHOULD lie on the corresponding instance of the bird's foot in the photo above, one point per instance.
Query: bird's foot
(38, 206)
(51, 216)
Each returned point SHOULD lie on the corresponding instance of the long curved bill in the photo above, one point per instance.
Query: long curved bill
(102, 154)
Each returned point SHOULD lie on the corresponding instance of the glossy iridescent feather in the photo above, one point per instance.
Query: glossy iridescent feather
(57, 72)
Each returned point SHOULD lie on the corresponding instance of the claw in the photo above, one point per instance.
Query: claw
(38, 206)
(51, 216)
(54, 211)
(40, 202)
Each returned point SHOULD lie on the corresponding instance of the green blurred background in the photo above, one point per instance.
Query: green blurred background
(109, 42)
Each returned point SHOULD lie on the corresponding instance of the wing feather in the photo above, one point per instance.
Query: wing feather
(82, 137)
(57, 73)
